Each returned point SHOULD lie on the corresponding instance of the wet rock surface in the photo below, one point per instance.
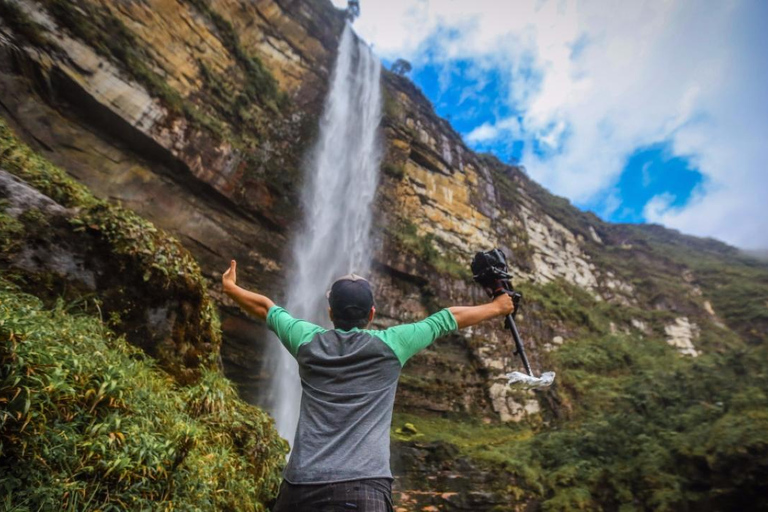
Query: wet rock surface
(434, 477)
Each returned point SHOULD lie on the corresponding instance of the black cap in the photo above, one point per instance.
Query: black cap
(350, 297)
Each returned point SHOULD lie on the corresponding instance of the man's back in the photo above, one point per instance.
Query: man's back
(349, 380)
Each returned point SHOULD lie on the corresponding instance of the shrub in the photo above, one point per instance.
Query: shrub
(90, 423)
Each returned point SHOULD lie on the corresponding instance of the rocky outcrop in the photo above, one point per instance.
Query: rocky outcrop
(681, 335)
(149, 288)
(225, 180)
(434, 477)
(196, 114)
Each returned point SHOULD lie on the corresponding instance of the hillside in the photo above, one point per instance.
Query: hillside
(194, 116)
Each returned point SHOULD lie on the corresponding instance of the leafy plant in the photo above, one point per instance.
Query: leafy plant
(90, 423)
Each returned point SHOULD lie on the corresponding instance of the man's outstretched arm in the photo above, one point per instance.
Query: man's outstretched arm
(253, 303)
(467, 316)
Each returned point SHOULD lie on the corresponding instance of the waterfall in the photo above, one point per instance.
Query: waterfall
(341, 177)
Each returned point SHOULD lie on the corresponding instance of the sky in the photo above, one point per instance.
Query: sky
(641, 111)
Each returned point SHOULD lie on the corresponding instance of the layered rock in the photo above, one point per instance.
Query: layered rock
(231, 193)
(202, 126)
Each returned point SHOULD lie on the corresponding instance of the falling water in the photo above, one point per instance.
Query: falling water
(342, 173)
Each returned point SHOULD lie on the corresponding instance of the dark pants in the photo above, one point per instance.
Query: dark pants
(371, 495)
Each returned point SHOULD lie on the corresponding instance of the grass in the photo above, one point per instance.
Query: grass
(90, 423)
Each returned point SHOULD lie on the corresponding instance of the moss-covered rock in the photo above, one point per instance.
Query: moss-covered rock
(147, 285)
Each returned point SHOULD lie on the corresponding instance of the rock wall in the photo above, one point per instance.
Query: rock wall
(197, 115)
(234, 192)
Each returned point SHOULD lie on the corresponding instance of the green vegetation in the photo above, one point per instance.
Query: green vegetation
(394, 170)
(738, 288)
(261, 86)
(405, 233)
(162, 257)
(647, 430)
(11, 231)
(393, 109)
(18, 20)
(89, 423)
(630, 424)
(135, 246)
(735, 285)
(565, 303)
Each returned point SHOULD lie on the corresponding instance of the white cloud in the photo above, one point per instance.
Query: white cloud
(658, 206)
(597, 80)
(509, 127)
(483, 133)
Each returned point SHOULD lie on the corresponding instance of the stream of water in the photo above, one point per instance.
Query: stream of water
(341, 177)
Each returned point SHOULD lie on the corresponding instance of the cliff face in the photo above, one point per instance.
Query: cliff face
(196, 114)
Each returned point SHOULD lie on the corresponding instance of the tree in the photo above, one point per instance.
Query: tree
(353, 9)
(401, 67)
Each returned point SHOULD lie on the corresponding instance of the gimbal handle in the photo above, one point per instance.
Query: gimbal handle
(504, 286)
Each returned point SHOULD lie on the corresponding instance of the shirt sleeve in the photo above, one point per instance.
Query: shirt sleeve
(408, 339)
(292, 332)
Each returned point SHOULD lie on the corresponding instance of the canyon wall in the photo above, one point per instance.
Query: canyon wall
(197, 114)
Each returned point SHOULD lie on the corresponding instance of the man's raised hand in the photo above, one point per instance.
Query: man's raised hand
(504, 303)
(253, 303)
(229, 278)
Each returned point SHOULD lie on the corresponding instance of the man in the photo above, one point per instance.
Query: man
(340, 457)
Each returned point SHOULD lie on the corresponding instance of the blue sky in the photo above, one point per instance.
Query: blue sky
(643, 111)
(463, 97)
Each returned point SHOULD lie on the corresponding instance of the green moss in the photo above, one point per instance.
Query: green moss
(164, 259)
(17, 158)
(566, 303)
(11, 232)
(261, 87)
(89, 423)
(133, 244)
(393, 109)
(394, 170)
(493, 444)
(405, 233)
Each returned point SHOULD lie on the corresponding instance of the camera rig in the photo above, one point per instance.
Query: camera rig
(489, 270)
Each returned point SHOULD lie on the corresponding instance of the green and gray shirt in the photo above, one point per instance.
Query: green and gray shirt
(348, 381)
